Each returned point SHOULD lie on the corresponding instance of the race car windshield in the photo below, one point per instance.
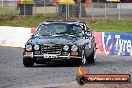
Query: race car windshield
(60, 29)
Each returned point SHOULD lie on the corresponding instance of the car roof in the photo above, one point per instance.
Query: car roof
(61, 21)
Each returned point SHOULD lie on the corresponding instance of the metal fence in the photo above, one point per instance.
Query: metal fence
(96, 10)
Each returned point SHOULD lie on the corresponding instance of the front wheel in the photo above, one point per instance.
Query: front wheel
(92, 57)
(84, 61)
(81, 61)
(28, 62)
(81, 80)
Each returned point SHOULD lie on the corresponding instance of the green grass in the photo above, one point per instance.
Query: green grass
(111, 26)
(96, 25)
(22, 21)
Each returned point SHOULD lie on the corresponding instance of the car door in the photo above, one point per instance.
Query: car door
(89, 44)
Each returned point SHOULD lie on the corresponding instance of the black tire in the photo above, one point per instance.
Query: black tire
(83, 60)
(78, 62)
(81, 80)
(28, 62)
(92, 57)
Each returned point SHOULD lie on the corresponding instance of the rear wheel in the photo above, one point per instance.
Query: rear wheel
(28, 62)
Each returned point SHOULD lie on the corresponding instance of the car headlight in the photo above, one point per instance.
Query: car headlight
(74, 48)
(66, 48)
(28, 47)
(36, 47)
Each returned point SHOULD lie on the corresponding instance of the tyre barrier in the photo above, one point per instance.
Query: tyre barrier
(114, 43)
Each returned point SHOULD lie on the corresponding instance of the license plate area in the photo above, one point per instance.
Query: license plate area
(50, 56)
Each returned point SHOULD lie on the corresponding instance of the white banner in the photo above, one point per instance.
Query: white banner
(14, 36)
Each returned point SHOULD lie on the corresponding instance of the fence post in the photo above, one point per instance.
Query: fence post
(24, 10)
(15, 6)
(4, 4)
(80, 10)
(119, 18)
(105, 11)
(34, 9)
(44, 8)
(66, 12)
(57, 5)
(92, 11)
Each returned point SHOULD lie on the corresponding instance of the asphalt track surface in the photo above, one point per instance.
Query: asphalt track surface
(14, 75)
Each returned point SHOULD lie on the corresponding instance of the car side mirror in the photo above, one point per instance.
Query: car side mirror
(32, 35)
(88, 33)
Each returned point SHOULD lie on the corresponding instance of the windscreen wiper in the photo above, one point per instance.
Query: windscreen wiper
(61, 33)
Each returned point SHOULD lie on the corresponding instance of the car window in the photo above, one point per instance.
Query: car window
(60, 28)
(75, 29)
(52, 29)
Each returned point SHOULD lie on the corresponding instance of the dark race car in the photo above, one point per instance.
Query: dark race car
(60, 41)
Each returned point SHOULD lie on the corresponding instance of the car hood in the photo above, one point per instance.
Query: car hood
(57, 40)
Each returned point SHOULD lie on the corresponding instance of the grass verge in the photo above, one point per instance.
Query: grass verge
(96, 25)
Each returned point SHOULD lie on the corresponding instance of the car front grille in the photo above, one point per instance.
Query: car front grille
(51, 49)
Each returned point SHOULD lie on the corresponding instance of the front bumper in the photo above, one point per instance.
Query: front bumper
(57, 56)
